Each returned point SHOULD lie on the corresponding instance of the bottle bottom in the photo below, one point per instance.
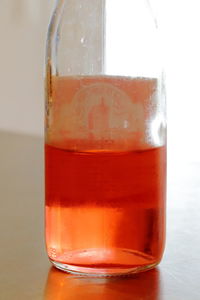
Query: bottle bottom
(105, 263)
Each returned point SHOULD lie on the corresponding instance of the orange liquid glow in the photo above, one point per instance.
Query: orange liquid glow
(108, 201)
(105, 208)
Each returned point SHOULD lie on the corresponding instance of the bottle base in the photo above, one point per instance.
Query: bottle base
(101, 272)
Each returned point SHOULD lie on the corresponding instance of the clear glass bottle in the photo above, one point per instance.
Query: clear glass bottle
(105, 138)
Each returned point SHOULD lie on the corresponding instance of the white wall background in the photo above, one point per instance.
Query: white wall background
(179, 21)
(23, 25)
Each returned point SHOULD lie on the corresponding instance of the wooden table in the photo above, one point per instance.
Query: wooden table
(25, 270)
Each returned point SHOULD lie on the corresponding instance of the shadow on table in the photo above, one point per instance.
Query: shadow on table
(62, 286)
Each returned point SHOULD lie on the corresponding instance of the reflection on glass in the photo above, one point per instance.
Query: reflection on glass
(62, 286)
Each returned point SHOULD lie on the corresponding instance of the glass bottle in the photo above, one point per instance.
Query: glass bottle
(105, 138)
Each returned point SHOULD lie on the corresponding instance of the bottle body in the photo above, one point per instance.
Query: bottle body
(105, 145)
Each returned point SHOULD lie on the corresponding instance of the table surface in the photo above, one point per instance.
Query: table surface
(25, 270)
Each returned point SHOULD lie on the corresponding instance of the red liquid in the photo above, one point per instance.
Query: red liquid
(105, 210)
(105, 181)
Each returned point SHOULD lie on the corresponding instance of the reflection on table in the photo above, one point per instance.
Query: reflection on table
(62, 286)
